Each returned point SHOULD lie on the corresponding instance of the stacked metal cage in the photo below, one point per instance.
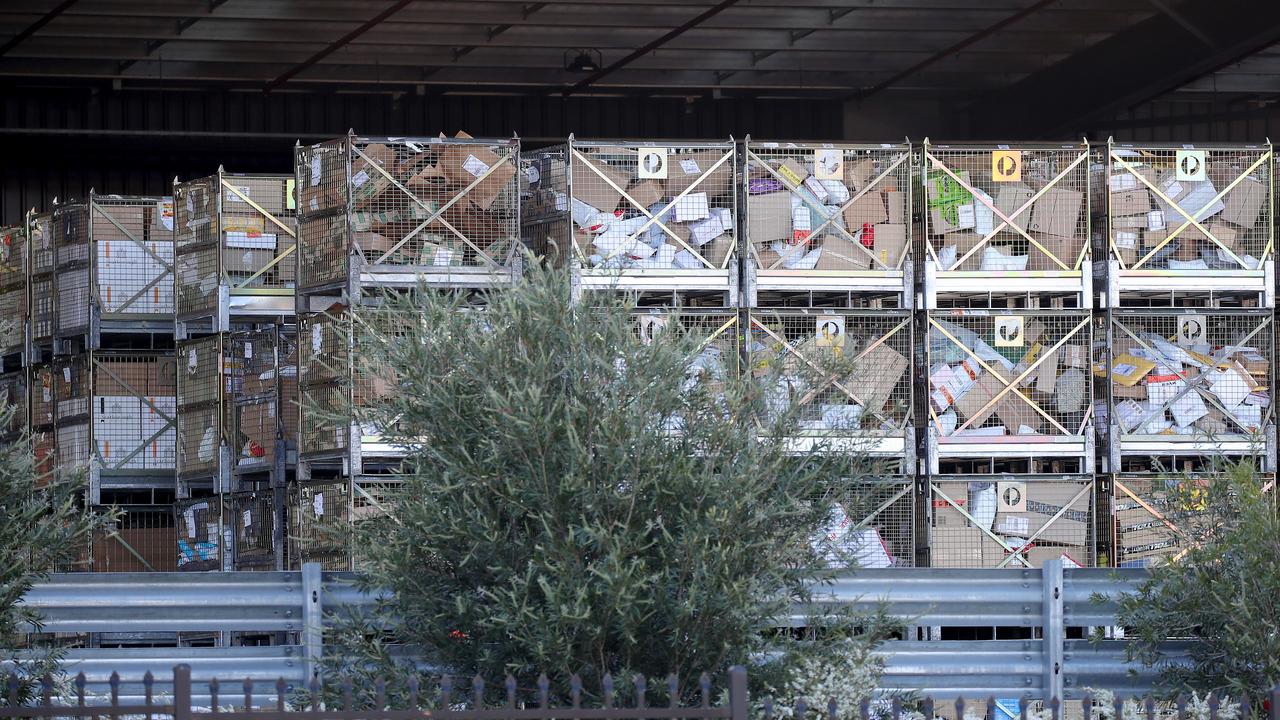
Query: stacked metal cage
(234, 240)
(393, 212)
(828, 219)
(1190, 219)
(14, 296)
(41, 276)
(1007, 220)
(320, 519)
(652, 218)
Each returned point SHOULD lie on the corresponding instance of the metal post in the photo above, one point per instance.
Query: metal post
(738, 692)
(312, 619)
(1054, 632)
(182, 692)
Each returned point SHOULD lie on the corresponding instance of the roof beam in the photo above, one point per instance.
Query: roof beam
(337, 44)
(34, 27)
(1136, 65)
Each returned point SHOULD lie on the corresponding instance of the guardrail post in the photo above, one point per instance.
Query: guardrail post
(312, 618)
(1054, 632)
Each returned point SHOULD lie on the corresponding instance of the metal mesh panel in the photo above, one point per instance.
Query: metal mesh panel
(717, 333)
(644, 206)
(201, 541)
(13, 288)
(196, 246)
(990, 522)
(850, 372)
(1188, 208)
(255, 523)
(40, 229)
(14, 393)
(1022, 373)
(324, 383)
(1150, 519)
(116, 411)
(208, 377)
(872, 522)
(144, 540)
(268, 389)
(1190, 376)
(830, 208)
(320, 529)
(410, 204)
(1007, 209)
(545, 222)
(42, 396)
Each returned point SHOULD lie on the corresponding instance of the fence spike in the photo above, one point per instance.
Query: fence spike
(801, 709)
(768, 708)
(575, 690)
(248, 693)
(1182, 707)
(673, 690)
(1086, 707)
(511, 690)
(641, 687)
(960, 708)
(81, 682)
(477, 691)
(927, 708)
(544, 690)
(413, 691)
(991, 707)
(704, 684)
(380, 694)
(1151, 708)
(46, 690)
(148, 683)
(832, 707)
(1214, 704)
(213, 694)
(1055, 706)
(346, 694)
(115, 688)
(281, 687)
(446, 692)
(606, 684)
(315, 693)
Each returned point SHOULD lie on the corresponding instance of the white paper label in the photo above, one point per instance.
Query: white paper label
(315, 169)
(1124, 369)
(317, 338)
(317, 504)
(211, 533)
(248, 350)
(651, 163)
(247, 518)
(1126, 240)
(1155, 220)
(532, 174)
(1123, 181)
(828, 164)
(475, 166)
(66, 374)
(189, 519)
(191, 204)
(690, 166)
(233, 197)
(1173, 189)
(191, 360)
(360, 178)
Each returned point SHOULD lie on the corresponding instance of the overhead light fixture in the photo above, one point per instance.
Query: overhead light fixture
(585, 61)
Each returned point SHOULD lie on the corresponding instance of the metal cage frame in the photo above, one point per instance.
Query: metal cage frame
(1014, 496)
(332, 212)
(1129, 277)
(208, 550)
(551, 216)
(1073, 279)
(883, 274)
(42, 316)
(1068, 442)
(203, 234)
(310, 540)
(15, 293)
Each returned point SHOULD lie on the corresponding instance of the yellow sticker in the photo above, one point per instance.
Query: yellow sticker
(1006, 165)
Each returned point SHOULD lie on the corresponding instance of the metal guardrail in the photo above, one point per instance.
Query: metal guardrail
(1046, 602)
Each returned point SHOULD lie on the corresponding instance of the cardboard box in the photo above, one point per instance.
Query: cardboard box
(1131, 202)
(368, 180)
(840, 253)
(875, 375)
(896, 204)
(867, 210)
(268, 193)
(589, 187)
(684, 170)
(1010, 197)
(857, 175)
(769, 218)
(1066, 249)
(118, 222)
(890, 244)
(970, 404)
(1057, 212)
(646, 192)
(1244, 203)
(245, 262)
(964, 548)
(461, 165)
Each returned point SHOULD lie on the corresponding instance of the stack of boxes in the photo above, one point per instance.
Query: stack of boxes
(236, 330)
(380, 215)
(1185, 376)
(1008, 327)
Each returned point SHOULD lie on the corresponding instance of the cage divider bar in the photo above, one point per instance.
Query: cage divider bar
(1006, 221)
(1088, 488)
(883, 506)
(264, 268)
(98, 366)
(374, 501)
(95, 205)
(985, 530)
(1190, 220)
(652, 218)
(138, 556)
(1145, 506)
(1012, 384)
(437, 215)
(143, 292)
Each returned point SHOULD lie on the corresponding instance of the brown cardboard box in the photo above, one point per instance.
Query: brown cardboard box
(163, 380)
(681, 173)
(239, 261)
(268, 193)
(1015, 412)
(890, 244)
(716, 251)
(1244, 203)
(875, 375)
(462, 164)
(590, 188)
(964, 548)
(1057, 212)
(123, 377)
(857, 175)
(792, 171)
(1010, 197)
(866, 210)
(840, 253)
(1043, 501)
(969, 404)
(118, 222)
(646, 192)
(896, 202)
(1046, 376)
(1066, 249)
(1039, 555)
(368, 181)
(1131, 202)
(769, 218)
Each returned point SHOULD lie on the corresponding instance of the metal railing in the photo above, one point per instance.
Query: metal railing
(1046, 604)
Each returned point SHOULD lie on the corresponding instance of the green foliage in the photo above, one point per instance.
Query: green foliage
(1223, 591)
(578, 500)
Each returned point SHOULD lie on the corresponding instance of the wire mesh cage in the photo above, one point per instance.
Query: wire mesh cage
(1188, 382)
(321, 525)
(235, 242)
(828, 216)
(1155, 519)
(333, 388)
(638, 215)
(1017, 214)
(207, 384)
(114, 260)
(993, 521)
(1010, 383)
(115, 416)
(16, 398)
(717, 333)
(447, 209)
(266, 399)
(872, 523)
(14, 297)
(41, 272)
(256, 530)
(201, 533)
(848, 372)
(1190, 216)
(142, 540)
